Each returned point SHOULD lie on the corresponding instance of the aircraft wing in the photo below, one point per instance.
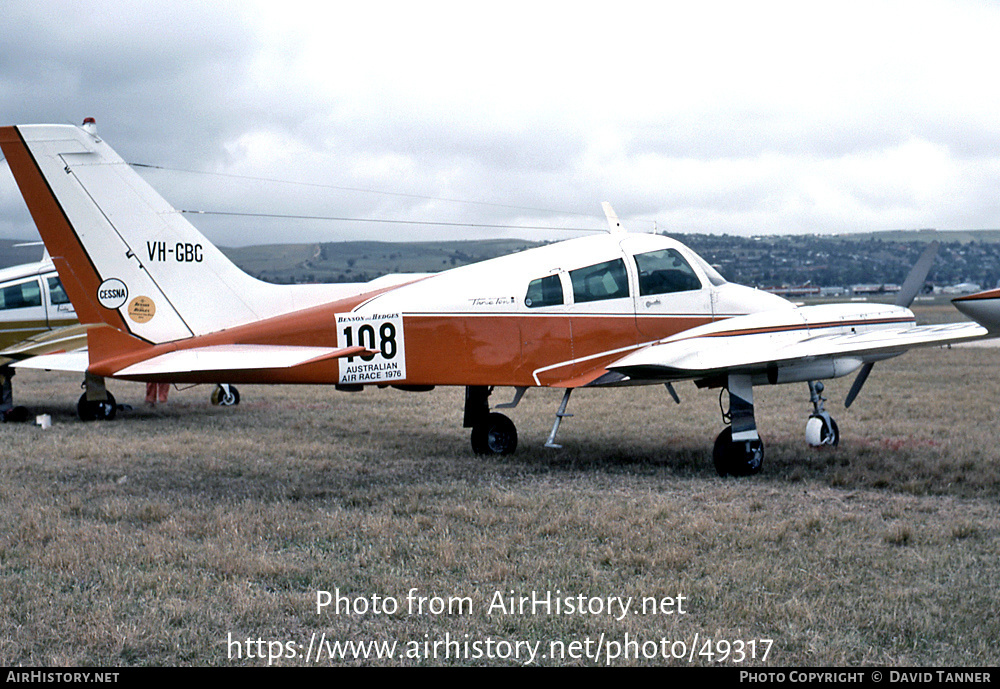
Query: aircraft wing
(796, 351)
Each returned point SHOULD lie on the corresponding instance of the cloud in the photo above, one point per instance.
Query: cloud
(710, 117)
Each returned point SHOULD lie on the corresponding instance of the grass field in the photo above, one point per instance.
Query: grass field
(168, 534)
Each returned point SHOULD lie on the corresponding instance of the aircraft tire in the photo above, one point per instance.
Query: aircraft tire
(220, 398)
(16, 415)
(737, 459)
(495, 434)
(101, 410)
(819, 434)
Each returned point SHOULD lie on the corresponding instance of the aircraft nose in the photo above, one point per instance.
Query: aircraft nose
(984, 308)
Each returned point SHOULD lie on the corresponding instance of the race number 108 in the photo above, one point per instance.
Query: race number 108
(382, 336)
(386, 340)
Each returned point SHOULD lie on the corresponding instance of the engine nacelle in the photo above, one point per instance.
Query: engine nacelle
(804, 372)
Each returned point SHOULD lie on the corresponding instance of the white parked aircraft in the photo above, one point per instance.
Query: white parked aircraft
(616, 309)
(36, 317)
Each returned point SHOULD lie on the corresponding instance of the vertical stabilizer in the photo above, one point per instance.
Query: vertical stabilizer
(126, 257)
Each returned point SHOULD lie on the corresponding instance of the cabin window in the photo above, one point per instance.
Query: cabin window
(57, 295)
(545, 291)
(665, 271)
(602, 281)
(21, 296)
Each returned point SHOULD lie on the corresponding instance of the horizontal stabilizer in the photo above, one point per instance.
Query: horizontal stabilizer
(235, 357)
(75, 362)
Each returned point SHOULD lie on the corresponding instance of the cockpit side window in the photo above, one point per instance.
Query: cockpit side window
(21, 296)
(606, 280)
(545, 291)
(665, 271)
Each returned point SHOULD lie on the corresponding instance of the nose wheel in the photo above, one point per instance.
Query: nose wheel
(821, 429)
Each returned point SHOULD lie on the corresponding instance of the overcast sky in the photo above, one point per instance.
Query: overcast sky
(720, 117)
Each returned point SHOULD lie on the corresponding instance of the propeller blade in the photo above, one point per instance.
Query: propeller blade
(918, 275)
(907, 293)
(858, 383)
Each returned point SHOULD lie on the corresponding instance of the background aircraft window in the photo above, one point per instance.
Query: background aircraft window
(21, 296)
(665, 271)
(544, 292)
(602, 281)
(57, 295)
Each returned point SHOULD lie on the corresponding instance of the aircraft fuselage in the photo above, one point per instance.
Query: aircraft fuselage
(479, 325)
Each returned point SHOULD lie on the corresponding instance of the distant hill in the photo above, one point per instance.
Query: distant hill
(762, 261)
(13, 255)
(961, 236)
(765, 261)
(363, 261)
(845, 260)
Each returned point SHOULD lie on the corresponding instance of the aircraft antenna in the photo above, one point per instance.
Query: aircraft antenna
(614, 224)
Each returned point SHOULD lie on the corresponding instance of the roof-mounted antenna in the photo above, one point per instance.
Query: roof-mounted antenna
(614, 225)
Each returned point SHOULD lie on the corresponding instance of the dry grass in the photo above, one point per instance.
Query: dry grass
(149, 539)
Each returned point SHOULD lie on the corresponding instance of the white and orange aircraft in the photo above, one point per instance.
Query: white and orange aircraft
(615, 309)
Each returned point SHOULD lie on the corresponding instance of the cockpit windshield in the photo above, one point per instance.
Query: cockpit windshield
(665, 271)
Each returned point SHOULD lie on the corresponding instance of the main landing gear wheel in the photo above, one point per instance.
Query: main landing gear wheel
(16, 415)
(822, 431)
(96, 410)
(495, 434)
(743, 458)
(225, 396)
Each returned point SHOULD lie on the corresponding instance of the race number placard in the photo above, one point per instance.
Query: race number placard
(381, 333)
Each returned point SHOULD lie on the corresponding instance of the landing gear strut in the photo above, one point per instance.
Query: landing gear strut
(738, 450)
(8, 412)
(492, 433)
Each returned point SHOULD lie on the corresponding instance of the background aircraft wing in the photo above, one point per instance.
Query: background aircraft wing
(67, 339)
